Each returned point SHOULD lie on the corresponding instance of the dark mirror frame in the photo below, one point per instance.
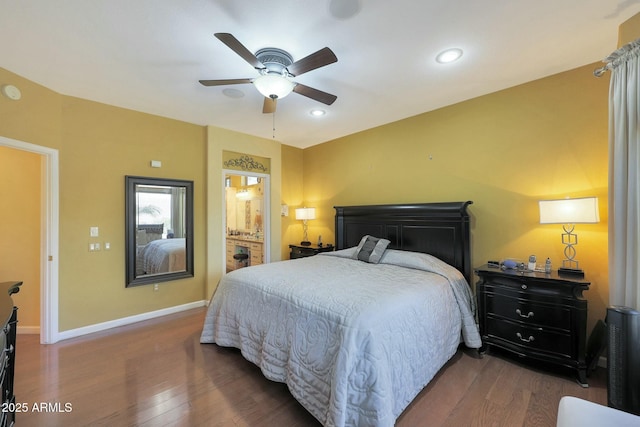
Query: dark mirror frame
(131, 183)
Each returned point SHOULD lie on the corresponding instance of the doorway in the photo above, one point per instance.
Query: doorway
(245, 219)
(49, 236)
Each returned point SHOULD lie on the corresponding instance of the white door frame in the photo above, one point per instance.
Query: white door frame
(266, 214)
(49, 219)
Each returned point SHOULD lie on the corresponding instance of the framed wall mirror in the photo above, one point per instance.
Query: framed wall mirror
(159, 230)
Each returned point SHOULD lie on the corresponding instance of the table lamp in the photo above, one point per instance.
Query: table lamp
(305, 214)
(569, 212)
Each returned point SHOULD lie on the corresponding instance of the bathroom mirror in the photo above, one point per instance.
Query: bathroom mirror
(159, 230)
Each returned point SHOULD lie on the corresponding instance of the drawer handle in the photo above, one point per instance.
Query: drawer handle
(526, 316)
(523, 286)
(519, 335)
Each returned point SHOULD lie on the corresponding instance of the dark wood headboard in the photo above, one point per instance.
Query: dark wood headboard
(439, 229)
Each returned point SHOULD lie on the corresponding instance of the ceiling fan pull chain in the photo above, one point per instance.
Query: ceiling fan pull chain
(274, 125)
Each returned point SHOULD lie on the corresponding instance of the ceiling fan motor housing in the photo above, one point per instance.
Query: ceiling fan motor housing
(275, 60)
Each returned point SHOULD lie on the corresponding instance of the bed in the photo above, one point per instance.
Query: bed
(163, 256)
(356, 341)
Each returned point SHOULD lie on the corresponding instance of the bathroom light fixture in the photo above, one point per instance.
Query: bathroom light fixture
(242, 193)
(449, 55)
(274, 85)
(569, 212)
(305, 214)
(317, 113)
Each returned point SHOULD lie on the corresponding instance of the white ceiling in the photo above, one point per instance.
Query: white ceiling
(148, 55)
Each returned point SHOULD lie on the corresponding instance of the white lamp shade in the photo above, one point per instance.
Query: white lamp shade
(273, 85)
(569, 211)
(306, 213)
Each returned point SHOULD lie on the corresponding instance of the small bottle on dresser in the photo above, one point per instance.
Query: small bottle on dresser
(547, 266)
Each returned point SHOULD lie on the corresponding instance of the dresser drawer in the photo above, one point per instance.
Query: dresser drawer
(555, 291)
(531, 338)
(528, 311)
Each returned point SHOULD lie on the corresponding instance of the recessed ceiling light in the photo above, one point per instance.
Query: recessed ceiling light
(317, 113)
(449, 55)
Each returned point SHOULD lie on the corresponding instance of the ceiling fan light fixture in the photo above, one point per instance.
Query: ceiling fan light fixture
(273, 85)
(449, 55)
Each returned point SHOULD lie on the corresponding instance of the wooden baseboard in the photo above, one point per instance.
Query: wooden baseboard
(78, 332)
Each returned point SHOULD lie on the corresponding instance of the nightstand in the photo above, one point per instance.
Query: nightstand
(298, 251)
(534, 315)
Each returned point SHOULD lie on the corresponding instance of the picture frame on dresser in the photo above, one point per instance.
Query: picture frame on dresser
(537, 316)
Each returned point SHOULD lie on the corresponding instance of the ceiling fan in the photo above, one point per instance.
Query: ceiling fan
(277, 69)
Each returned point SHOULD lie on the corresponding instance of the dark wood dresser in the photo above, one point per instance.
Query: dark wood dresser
(534, 315)
(299, 251)
(8, 317)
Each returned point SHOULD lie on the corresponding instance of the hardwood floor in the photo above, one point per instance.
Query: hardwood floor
(156, 373)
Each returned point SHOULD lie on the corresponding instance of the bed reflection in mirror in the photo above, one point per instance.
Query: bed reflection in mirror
(159, 227)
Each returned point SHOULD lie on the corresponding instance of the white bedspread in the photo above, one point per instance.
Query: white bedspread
(164, 256)
(354, 342)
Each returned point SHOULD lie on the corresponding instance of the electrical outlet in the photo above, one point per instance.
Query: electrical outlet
(155, 287)
(93, 232)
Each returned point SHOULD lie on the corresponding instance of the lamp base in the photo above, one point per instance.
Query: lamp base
(575, 272)
(305, 243)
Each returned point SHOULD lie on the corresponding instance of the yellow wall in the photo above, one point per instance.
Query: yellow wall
(504, 151)
(20, 229)
(98, 145)
(292, 192)
(629, 30)
(219, 140)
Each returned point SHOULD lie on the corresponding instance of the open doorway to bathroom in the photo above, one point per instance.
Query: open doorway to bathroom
(246, 220)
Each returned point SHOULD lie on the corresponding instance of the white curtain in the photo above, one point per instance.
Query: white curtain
(624, 177)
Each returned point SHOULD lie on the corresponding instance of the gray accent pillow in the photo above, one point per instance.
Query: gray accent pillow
(370, 249)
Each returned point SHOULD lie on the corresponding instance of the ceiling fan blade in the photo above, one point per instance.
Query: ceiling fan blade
(269, 105)
(224, 82)
(239, 48)
(318, 95)
(319, 59)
